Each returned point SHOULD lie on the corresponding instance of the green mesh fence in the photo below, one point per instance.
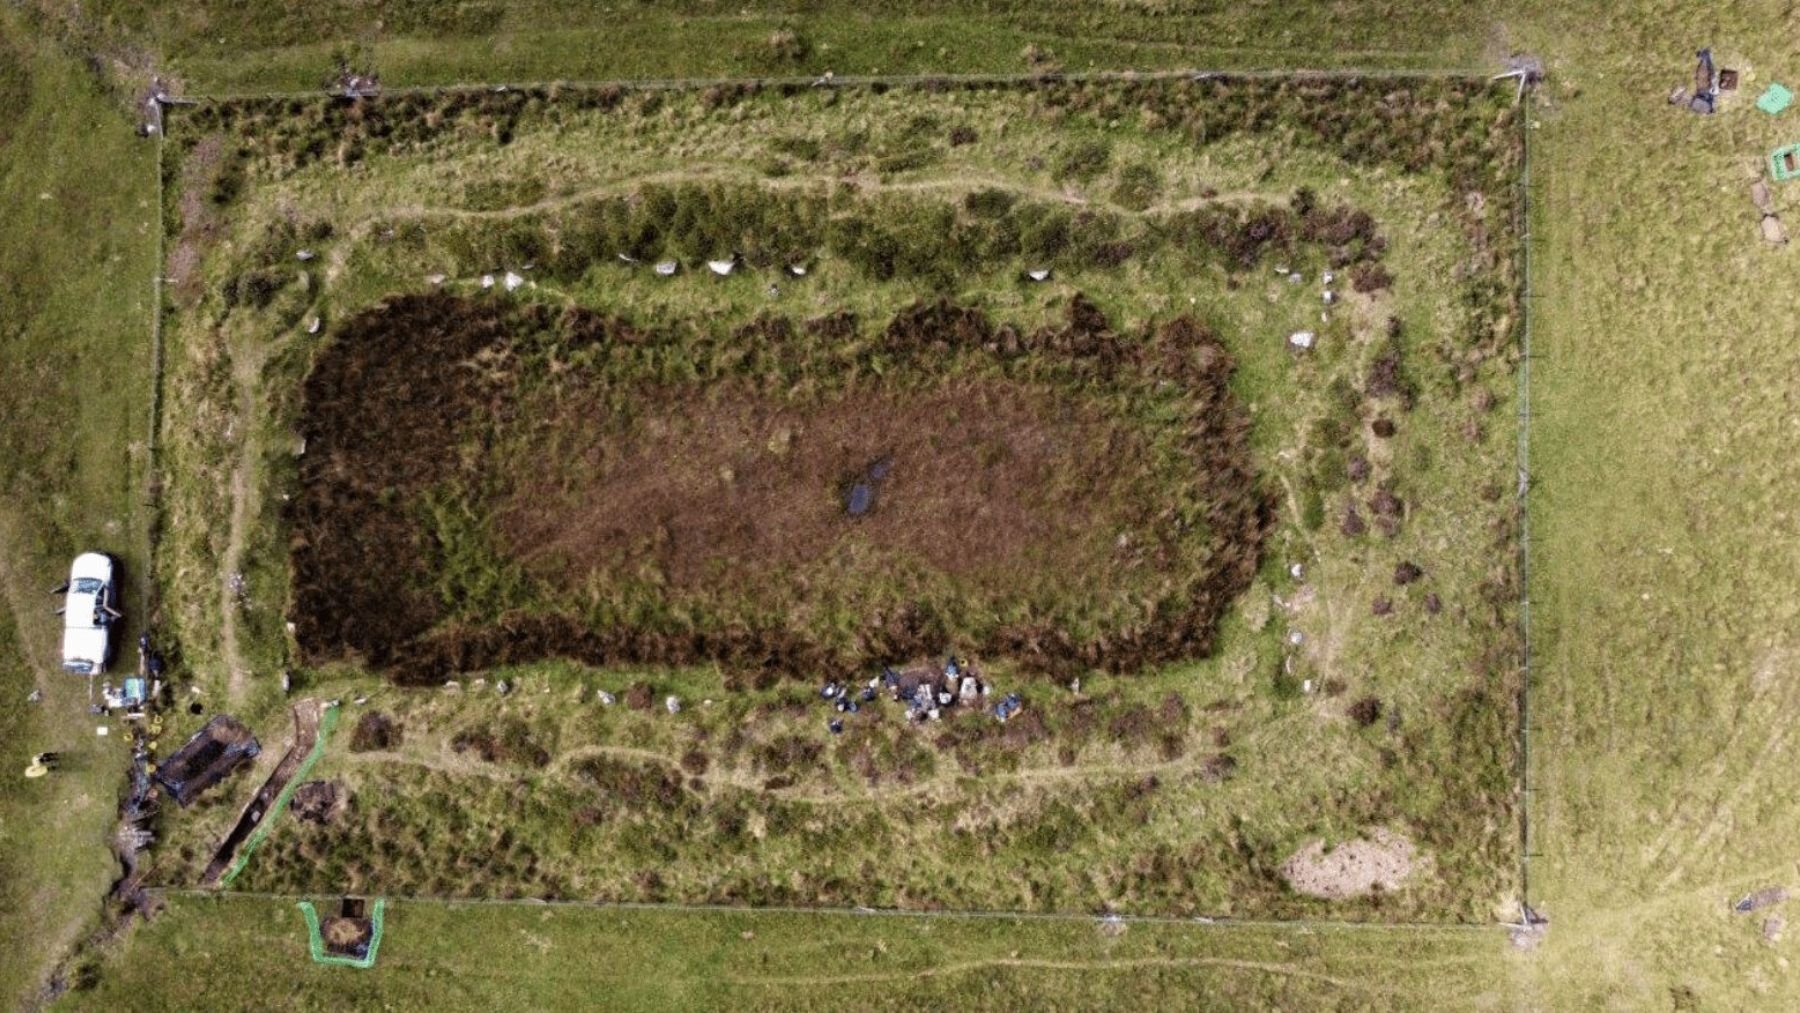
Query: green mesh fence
(326, 722)
(315, 940)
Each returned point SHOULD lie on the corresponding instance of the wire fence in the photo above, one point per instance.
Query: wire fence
(871, 912)
(152, 442)
(1524, 504)
(868, 80)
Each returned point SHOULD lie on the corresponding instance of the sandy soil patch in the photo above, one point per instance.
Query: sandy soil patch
(1382, 860)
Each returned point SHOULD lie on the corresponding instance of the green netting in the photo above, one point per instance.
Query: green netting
(1775, 99)
(1784, 163)
(315, 940)
(326, 721)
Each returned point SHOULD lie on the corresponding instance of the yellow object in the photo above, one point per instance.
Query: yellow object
(36, 770)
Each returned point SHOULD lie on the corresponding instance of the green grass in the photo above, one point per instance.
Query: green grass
(525, 956)
(76, 252)
(218, 47)
(1664, 583)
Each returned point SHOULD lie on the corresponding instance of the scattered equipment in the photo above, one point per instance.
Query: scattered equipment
(1706, 83)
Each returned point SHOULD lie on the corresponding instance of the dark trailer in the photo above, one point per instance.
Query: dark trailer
(207, 758)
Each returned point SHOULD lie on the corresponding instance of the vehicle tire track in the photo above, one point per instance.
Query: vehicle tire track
(1027, 963)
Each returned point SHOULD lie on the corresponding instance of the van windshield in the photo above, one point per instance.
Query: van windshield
(87, 585)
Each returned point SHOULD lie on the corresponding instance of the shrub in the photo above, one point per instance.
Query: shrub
(786, 46)
(694, 761)
(376, 731)
(254, 289)
(1370, 277)
(1312, 506)
(989, 202)
(510, 743)
(1138, 186)
(1387, 373)
(806, 149)
(639, 696)
(1083, 161)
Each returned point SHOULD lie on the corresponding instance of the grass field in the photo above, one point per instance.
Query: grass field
(1661, 579)
(1664, 595)
(222, 47)
(560, 957)
(74, 420)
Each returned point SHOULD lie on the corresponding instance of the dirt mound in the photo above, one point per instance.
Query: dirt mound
(346, 935)
(807, 497)
(508, 741)
(376, 731)
(319, 801)
(1381, 861)
(342, 933)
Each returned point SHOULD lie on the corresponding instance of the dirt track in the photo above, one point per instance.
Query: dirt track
(306, 732)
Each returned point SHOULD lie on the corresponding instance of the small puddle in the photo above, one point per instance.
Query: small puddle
(861, 498)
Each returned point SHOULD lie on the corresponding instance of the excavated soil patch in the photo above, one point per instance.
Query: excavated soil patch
(985, 482)
(319, 801)
(1383, 861)
(487, 485)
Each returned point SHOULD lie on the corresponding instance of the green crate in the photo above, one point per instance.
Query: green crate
(1784, 163)
(1774, 99)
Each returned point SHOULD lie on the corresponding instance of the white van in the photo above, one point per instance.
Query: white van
(88, 614)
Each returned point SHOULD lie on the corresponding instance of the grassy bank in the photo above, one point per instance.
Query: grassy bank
(221, 47)
(76, 252)
(526, 956)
